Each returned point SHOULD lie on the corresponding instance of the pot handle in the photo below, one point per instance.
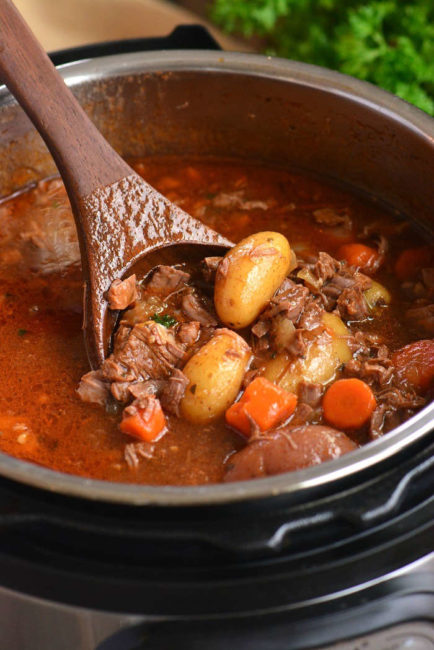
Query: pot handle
(183, 37)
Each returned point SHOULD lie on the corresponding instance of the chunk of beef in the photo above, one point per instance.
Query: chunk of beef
(311, 317)
(290, 299)
(194, 310)
(188, 333)
(236, 199)
(298, 344)
(140, 389)
(310, 394)
(167, 279)
(286, 450)
(121, 390)
(150, 351)
(122, 293)
(145, 405)
(303, 415)
(261, 328)
(352, 305)
(332, 217)
(209, 267)
(173, 392)
(326, 267)
(93, 388)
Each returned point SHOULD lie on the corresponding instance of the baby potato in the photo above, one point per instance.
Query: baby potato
(377, 294)
(320, 363)
(248, 276)
(215, 374)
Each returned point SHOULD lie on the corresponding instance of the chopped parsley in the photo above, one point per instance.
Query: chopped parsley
(166, 319)
(388, 43)
(22, 332)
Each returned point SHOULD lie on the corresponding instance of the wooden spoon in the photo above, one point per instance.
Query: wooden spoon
(119, 217)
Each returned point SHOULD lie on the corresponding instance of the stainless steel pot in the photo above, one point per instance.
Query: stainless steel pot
(250, 107)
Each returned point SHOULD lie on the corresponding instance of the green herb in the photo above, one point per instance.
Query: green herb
(389, 43)
(21, 332)
(166, 320)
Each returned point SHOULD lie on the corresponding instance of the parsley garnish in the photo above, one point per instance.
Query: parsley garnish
(387, 43)
(21, 332)
(167, 320)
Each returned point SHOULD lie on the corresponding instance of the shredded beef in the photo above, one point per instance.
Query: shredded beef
(167, 279)
(372, 364)
(375, 372)
(122, 293)
(134, 450)
(194, 310)
(173, 392)
(93, 388)
(290, 299)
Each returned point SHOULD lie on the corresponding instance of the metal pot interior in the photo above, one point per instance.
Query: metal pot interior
(246, 107)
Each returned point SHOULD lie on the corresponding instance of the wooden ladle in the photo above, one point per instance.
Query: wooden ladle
(120, 218)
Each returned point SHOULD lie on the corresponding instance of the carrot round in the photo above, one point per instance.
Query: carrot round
(348, 403)
(263, 402)
(412, 260)
(358, 254)
(146, 424)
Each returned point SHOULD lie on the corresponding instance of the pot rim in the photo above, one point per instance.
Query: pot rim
(301, 481)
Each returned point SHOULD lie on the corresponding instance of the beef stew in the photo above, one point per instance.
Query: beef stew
(349, 300)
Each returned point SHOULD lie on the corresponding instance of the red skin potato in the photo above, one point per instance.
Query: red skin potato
(287, 450)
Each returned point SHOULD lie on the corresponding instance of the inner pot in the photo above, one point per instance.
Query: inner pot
(247, 107)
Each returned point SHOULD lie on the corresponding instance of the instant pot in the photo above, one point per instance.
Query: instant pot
(337, 556)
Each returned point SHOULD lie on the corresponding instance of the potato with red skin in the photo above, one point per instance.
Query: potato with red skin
(415, 363)
(287, 450)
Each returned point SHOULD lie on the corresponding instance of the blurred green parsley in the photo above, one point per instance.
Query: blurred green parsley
(390, 44)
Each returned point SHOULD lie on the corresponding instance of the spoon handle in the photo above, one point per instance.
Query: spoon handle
(82, 155)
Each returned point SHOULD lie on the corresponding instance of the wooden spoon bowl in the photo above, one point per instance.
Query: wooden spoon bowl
(120, 218)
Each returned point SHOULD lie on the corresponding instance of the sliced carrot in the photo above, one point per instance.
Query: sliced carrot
(415, 363)
(348, 403)
(412, 260)
(358, 254)
(263, 402)
(146, 424)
